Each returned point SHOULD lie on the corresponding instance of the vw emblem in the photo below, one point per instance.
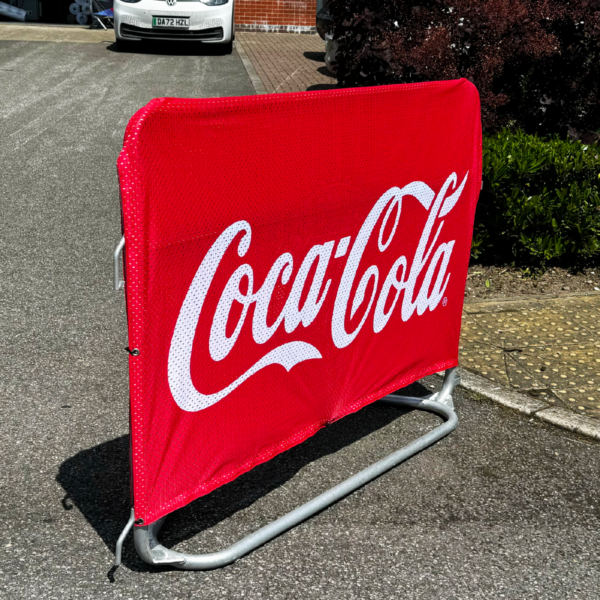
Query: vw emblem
(171, 2)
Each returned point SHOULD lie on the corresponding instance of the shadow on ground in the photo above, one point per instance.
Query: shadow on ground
(316, 56)
(169, 48)
(96, 481)
(325, 71)
(322, 86)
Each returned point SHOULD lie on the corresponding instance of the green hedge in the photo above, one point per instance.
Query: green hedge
(540, 202)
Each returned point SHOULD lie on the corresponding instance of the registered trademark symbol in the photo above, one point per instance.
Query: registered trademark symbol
(444, 301)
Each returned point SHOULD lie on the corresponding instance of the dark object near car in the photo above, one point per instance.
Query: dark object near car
(324, 21)
(324, 29)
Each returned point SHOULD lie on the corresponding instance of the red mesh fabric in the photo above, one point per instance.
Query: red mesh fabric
(289, 259)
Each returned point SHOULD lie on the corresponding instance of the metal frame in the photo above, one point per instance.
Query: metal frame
(151, 551)
(119, 283)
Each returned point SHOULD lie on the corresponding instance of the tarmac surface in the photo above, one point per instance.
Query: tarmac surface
(505, 507)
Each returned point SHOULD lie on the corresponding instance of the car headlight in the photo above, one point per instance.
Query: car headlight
(214, 2)
(130, 1)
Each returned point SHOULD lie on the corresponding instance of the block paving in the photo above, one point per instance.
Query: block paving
(287, 62)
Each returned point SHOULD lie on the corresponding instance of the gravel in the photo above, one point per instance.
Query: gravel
(494, 283)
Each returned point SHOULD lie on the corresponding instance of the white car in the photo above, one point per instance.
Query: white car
(207, 21)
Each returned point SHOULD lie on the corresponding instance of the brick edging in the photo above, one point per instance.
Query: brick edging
(257, 83)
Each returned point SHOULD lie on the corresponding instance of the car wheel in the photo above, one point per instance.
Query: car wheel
(227, 48)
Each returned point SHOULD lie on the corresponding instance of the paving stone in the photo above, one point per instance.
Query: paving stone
(522, 373)
(485, 360)
(550, 348)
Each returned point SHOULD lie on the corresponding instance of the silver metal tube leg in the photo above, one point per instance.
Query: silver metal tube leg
(119, 283)
(152, 552)
(119, 548)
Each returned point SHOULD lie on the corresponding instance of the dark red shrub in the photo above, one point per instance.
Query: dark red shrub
(536, 63)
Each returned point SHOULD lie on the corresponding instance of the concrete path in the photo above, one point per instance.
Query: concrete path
(506, 507)
(33, 32)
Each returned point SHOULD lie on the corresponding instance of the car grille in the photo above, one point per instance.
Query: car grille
(210, 34)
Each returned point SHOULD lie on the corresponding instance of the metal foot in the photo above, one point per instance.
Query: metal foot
(152, 552)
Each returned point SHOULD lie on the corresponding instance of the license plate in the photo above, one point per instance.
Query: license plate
(182, 22)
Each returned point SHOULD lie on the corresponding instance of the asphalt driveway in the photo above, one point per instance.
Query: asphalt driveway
(503, 508)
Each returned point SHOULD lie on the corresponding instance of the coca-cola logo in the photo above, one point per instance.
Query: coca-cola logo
(431, 257)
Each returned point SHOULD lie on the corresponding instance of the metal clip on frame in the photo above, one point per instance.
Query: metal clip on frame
(152, 552)
(119, 283)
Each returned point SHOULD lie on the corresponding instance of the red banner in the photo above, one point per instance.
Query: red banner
(289, 259)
